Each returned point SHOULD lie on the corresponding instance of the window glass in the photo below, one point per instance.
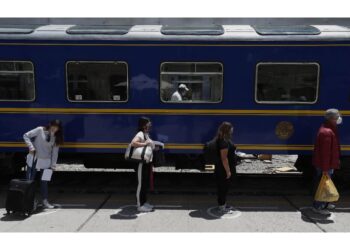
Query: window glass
(16, 81)
(191, 82)
(97, 81)
(287, 83)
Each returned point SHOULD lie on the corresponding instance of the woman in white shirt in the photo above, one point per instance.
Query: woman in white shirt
(43, 144)
(142, 139)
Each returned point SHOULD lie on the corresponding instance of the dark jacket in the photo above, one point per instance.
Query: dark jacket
(326, 153)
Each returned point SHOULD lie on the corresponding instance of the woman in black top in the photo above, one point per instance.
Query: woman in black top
(225, 165)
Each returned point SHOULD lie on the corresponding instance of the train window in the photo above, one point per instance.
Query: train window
(287, 83)
(17, 29)
(191, 82)
(209, 30)
(99, 29)
(286, 30)
(17, 81)
(97, 81)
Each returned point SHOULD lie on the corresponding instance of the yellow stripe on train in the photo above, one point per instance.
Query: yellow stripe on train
(166, 111)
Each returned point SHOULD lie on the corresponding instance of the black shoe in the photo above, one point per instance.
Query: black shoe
(320, 211)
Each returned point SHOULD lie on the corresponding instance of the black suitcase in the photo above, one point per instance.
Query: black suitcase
(21, 196)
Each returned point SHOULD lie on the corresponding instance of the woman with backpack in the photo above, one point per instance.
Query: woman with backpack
(225, 164)
(43, 143)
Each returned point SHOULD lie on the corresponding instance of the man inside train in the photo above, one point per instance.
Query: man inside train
(178, 95)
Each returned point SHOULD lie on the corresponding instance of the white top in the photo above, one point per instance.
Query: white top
(176, 97)
(45, 151)
(142, 136)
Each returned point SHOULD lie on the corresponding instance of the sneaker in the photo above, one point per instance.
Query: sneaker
(47, 205)
(148, 205)
(330, 206)
(321, 211)
(229, 207)
(144, 209)
(225, 209)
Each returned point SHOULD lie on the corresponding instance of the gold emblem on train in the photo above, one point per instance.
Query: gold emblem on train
(284, 130)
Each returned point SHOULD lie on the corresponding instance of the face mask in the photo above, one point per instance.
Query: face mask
(340, 121)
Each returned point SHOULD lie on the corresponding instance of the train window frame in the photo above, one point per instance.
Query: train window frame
(34, 82)
(287, 102)
(85, 61)
(191, 102)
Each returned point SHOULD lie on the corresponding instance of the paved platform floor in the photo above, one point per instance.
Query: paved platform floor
(85, 212)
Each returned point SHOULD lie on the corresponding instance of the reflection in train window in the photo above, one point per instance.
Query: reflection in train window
(17, 81)
(191, 82)
(287, 83)
(97, 81)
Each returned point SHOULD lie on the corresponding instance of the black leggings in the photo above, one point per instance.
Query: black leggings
(222, 184)
(143, 176)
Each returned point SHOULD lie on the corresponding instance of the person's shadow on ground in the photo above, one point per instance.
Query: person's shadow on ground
(18, 216)
(129, 212)
(310, 216)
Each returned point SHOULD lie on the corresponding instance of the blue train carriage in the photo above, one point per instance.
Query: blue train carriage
(272, 82)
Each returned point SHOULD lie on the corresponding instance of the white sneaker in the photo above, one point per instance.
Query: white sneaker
(330, 206)
(148, 205)
(225, 209)
(321, 211)
(144, 209)
(47, 205)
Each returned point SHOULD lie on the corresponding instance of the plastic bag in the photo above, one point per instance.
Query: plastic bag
(326, 191)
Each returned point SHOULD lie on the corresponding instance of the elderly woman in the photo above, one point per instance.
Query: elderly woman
(326, 155)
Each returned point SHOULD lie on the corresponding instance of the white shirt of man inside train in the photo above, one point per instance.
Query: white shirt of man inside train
(180, 93)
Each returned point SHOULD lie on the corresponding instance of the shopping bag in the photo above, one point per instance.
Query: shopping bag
(326, 191)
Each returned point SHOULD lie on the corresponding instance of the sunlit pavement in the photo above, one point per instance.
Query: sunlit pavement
(177, 213)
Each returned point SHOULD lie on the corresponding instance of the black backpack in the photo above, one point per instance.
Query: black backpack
(210, 152)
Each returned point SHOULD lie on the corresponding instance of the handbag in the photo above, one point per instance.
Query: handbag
(326, 191)
(139, 154)
(158, 158)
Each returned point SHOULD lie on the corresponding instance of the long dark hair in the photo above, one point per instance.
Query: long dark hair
(224, 131)
(59, 134)
(143, 121)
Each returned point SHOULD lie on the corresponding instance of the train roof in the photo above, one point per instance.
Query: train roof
(176, 33)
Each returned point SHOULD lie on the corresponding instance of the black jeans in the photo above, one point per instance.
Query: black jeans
(143, 176)
(222, 184)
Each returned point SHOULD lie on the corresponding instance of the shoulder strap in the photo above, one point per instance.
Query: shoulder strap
(144, 136)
